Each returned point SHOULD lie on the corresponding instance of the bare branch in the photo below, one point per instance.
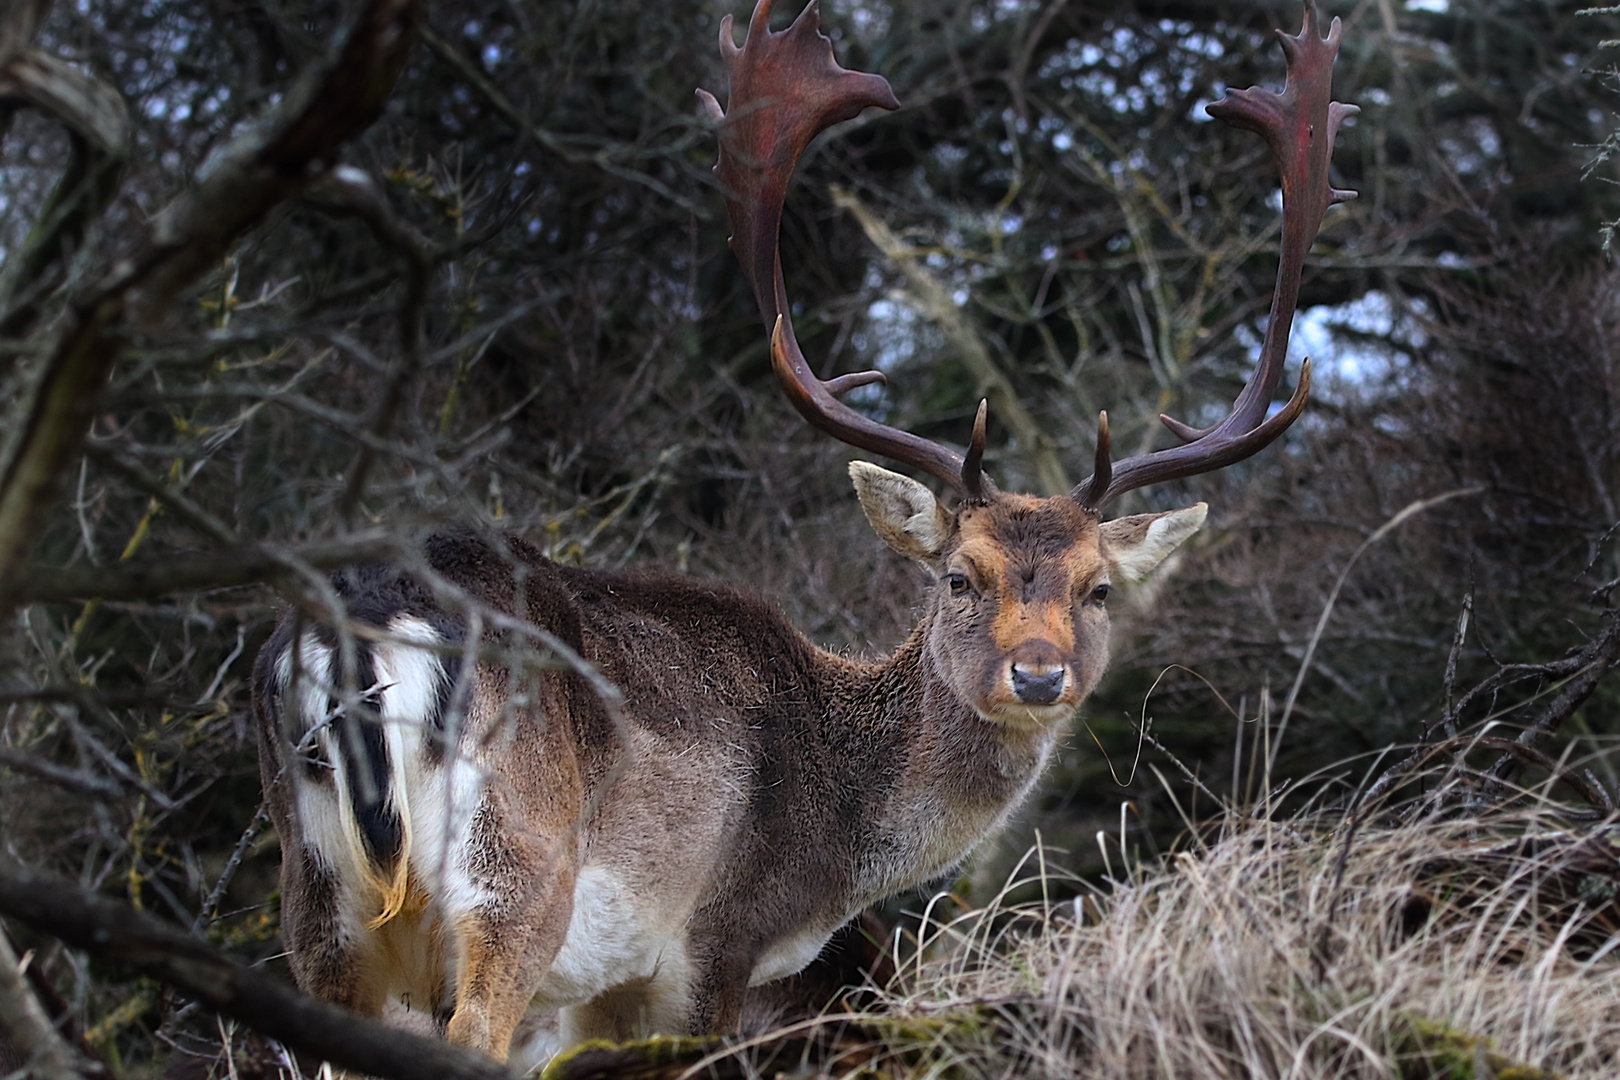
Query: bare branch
(83, 102)
(244, 565)
(124, 936)
(1599, 656)
(96, 116)
(254, 173)
(73, 779)
(935, 302)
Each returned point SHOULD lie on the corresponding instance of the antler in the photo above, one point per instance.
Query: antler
(786, 89)
(1299, 124)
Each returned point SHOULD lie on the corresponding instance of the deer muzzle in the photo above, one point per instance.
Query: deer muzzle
(1038, 674)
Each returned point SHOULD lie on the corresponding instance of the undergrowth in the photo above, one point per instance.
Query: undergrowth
(1446, 949)
(1304, 948)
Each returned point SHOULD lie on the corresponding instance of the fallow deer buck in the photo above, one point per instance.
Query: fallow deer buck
(479, 837)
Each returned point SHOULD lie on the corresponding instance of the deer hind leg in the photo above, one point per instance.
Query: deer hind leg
(519, 869)
(503, 956)
(328, 960)
(330, 780)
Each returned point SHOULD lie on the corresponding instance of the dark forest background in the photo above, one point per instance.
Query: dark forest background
(509, 301)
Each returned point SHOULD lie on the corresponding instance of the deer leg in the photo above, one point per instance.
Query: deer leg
(717, 991)
(634, 1010)
(328, 956)
(504, 955)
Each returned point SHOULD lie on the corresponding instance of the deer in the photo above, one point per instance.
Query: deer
(688, 797)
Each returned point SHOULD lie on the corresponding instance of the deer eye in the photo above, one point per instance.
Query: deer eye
(958, 583)
(1100, 593)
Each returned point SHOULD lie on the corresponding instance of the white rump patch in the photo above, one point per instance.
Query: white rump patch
(438, 802)
(327, 824)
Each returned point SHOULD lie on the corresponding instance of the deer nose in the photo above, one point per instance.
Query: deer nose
(1036, 683)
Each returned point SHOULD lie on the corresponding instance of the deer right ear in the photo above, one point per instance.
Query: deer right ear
(902, 511)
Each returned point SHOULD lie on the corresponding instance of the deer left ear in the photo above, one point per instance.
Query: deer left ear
(1134, 545)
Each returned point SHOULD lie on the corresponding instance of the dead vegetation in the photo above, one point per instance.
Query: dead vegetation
(1293, 947)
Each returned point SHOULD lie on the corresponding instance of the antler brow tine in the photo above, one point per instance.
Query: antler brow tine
(1299, 124)
(786, 88)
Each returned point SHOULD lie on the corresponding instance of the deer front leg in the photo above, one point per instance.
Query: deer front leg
(718, 986)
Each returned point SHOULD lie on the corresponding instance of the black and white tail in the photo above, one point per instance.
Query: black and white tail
(358, 738)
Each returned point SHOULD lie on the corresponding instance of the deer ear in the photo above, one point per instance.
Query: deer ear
(903, 512)
(1134, 545)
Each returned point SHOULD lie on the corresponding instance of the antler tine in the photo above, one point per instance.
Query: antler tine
(1299, 124)
(786, 89)
(972, 476)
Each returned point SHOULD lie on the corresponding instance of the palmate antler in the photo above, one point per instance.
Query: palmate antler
(786, 88)
(1299, 124)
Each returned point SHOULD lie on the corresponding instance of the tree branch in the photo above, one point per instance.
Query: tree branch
(935, 303)
(253, 174)
(117, 933)
(246, 565)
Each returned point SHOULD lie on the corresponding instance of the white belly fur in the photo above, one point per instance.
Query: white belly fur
(614, 937)
(790, 955)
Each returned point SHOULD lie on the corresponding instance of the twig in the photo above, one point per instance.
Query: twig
(210, 906)
(1448, 718)
(1594, 661)
(47, 1054)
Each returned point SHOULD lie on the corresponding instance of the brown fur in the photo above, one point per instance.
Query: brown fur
(761, 792)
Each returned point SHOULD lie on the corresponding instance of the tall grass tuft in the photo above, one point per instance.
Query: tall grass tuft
(1302, 949)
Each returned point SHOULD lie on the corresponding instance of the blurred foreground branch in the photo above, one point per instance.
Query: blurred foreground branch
(27, 1028)
(124, 936)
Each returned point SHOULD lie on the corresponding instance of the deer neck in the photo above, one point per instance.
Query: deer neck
(954, 777)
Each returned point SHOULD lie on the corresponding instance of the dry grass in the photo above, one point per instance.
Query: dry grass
(1294, 950)
(1446, 950)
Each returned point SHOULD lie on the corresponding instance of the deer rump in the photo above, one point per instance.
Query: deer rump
(468, 836)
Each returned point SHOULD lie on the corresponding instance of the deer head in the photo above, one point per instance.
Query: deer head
(1018, 626)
